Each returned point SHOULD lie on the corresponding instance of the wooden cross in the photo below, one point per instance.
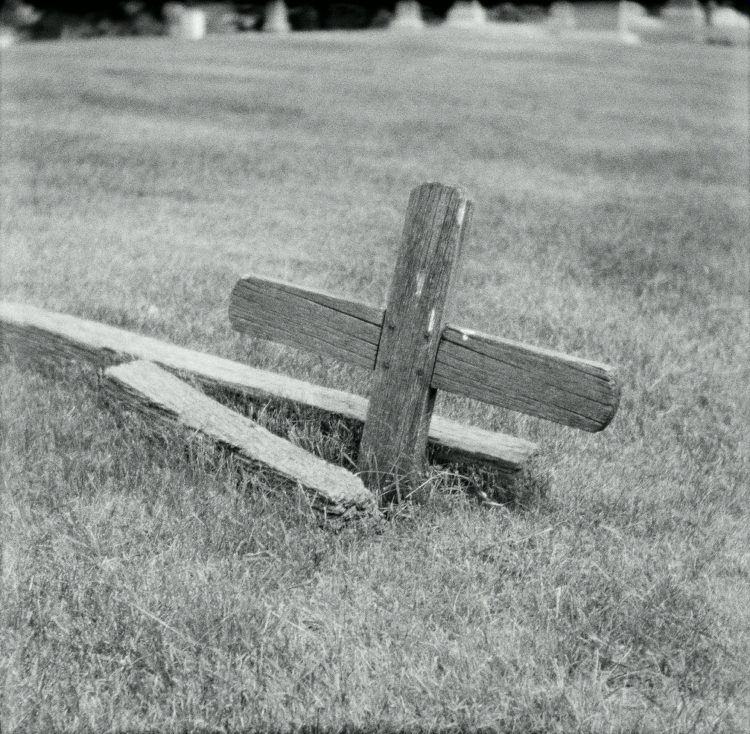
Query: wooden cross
(414, 353)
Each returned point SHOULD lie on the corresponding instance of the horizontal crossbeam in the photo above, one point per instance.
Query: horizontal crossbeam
(539, 382)
(41, 334)
(308, 319)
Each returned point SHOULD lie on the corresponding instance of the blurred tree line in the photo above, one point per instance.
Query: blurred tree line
(323, 7)
(146, 16)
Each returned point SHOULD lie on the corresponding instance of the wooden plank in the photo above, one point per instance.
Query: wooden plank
(307, 319)
(394, 439)
(162, 397)
(540, 382)
(453, 442)
(41, 334)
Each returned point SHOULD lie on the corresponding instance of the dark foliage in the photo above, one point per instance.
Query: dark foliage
(86, 18)
(323, 8)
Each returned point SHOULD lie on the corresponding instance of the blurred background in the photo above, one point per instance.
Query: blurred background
(47, 19)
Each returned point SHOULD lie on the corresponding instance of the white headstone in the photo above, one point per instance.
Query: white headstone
(627, 14)
(561, 16)
(684, 19)
(193, 24)
(408, 16)
(466, 15)
(188, 24)
(728, 26)
(684, 11)
(639, 22)
(599, 17)
(7, 37)
(612, 22)
(277, 18)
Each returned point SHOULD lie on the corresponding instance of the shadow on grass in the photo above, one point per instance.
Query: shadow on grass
(336, 439)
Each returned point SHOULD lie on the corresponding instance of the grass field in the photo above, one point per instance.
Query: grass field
(146, 586)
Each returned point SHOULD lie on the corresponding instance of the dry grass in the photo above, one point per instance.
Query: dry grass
(147, 585)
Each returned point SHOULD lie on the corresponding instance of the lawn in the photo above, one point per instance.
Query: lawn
(151, 584)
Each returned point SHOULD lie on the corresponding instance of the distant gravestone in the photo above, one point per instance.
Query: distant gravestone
(628, 15)
(7, 37)
(727, 26)
(466, 15)
(684, 19)
(561, 16)
(220, 17)
(193, 24)
(277, 18)
(188, 24)
(613, 22)
(596, 16)
(408, 16)
(644, 25)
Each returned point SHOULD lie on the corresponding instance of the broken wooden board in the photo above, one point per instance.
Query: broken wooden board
(160, 396)
(575, 392)
(39, 333)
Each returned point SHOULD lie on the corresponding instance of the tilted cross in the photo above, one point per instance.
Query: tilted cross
(412, 351)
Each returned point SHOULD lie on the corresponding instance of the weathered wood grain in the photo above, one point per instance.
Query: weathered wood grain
(547, 384)
(41, 334)
(162, 397)
(453, 442)
(539, 382)
(307, 319)
(394, 439)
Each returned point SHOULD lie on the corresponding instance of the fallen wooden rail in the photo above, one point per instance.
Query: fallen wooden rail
(151, 390)
(40, 333)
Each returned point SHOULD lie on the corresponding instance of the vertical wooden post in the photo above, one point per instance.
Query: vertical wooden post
(394, 440)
